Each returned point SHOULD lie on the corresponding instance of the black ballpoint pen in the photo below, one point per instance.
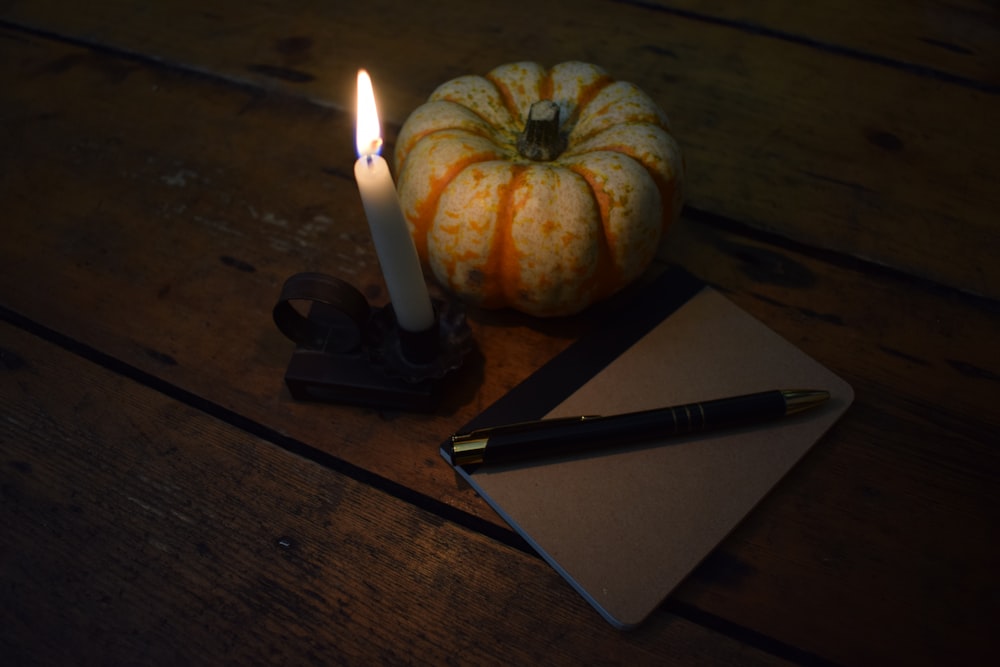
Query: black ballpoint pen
(550, 437)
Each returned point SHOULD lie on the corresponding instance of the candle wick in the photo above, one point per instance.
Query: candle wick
(369, 159)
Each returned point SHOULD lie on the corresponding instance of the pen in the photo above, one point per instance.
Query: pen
(550, 437)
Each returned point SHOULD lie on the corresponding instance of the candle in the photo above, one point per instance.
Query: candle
(393, 245)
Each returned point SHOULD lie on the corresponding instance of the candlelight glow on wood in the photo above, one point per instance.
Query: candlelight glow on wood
(396, 252)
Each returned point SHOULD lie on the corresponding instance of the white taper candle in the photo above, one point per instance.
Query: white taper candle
(396, 253)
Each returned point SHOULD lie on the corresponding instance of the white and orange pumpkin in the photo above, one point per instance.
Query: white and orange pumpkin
(543, 190)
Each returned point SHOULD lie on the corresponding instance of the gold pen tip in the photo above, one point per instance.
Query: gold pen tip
(797, 400)
(466, 449)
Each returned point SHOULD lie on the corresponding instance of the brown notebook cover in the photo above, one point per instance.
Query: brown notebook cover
(625, 527)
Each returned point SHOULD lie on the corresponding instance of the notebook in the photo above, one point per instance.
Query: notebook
(624, 527)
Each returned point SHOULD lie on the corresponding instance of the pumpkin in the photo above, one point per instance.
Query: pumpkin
(540, 190)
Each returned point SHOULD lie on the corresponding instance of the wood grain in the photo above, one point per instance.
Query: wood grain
(951, 40)
(807, 142)
(156, 213)
(140, 530)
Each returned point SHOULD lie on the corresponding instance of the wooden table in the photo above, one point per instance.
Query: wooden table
(165, 166)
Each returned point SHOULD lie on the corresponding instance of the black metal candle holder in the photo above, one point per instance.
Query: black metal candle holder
(348, 351)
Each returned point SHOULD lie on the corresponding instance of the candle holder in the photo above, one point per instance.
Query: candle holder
(348, 351)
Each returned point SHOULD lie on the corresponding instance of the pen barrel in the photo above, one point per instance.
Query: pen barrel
(576, 435)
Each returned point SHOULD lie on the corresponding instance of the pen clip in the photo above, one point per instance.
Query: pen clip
(517, 427)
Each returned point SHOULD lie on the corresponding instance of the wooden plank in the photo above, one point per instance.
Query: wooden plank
(959, 41)
(140, 530)
(829, 150)
(144, 180)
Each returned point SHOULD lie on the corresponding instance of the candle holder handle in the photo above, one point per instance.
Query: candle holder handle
(350, 352)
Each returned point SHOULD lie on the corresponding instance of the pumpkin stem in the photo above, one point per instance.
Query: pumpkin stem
(541, 140)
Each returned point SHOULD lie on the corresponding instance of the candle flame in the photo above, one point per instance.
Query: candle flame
(368, 136)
